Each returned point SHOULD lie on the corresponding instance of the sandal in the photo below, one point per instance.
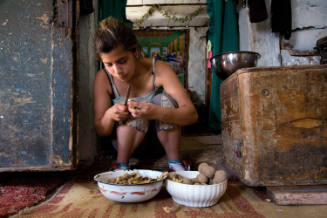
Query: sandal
(116, 166)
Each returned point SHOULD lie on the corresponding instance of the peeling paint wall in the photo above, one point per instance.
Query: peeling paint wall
(309, 23)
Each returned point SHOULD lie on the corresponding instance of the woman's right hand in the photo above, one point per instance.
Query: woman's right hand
(118, 112)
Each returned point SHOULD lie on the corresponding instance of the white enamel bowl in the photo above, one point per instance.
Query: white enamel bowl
(129, 193)
(195, 195)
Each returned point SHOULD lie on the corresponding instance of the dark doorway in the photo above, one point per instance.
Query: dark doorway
(169, 46)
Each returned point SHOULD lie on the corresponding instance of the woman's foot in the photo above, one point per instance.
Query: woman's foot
(175, 166)
(118, 166)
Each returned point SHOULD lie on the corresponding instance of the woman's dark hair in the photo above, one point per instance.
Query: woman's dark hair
(111, 33)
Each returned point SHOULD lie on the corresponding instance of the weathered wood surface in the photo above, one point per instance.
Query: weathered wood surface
(274, 125)
(36, 88)
(298, 195)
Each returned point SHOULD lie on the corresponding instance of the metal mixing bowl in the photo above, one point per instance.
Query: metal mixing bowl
(129, 192)
(226, 64)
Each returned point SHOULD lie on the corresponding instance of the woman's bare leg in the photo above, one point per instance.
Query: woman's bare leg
(128, 139)
(170, 140)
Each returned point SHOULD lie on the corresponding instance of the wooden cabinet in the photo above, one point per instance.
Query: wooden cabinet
(274, 125)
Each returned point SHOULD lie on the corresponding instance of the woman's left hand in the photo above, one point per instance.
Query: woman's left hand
(142, 110)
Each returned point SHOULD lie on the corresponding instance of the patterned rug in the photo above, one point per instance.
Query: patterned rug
(20, 191)
(82, 199)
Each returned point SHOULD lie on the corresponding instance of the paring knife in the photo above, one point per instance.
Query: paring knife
(127, 96)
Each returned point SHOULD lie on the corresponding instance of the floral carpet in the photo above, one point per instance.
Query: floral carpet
(20, 191)
(75, 194)
(83, 199)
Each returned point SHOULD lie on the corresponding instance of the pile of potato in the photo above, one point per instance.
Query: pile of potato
(207, 175)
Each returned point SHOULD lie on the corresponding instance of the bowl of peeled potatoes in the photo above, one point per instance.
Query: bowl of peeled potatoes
(202, 188)
(130, 185)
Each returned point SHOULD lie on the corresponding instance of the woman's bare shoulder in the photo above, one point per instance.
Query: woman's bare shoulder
(101, 74)
(163, 69)
(101, 80)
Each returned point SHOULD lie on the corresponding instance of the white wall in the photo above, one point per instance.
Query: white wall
(197, 63)
(309, 23)
(259, 38)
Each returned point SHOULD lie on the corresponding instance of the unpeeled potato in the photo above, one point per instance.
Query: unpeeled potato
(220, 175)
(207, 170)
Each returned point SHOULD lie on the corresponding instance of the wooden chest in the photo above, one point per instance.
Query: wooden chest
(274, 125)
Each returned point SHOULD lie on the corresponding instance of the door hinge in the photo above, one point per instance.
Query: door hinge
(238, 149)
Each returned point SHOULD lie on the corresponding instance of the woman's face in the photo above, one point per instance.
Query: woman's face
(119, 63)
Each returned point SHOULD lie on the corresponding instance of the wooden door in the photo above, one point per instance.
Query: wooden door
(37, 94)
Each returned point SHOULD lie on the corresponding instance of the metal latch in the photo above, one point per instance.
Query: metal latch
(238, 149)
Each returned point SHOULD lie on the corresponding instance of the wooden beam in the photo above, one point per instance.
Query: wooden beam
(298, 195)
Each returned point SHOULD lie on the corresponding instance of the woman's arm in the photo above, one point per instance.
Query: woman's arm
(105, 114)
(184, 114)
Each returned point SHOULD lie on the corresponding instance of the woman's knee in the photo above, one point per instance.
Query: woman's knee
(128, 133)
(170, 132)
(164, 100)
